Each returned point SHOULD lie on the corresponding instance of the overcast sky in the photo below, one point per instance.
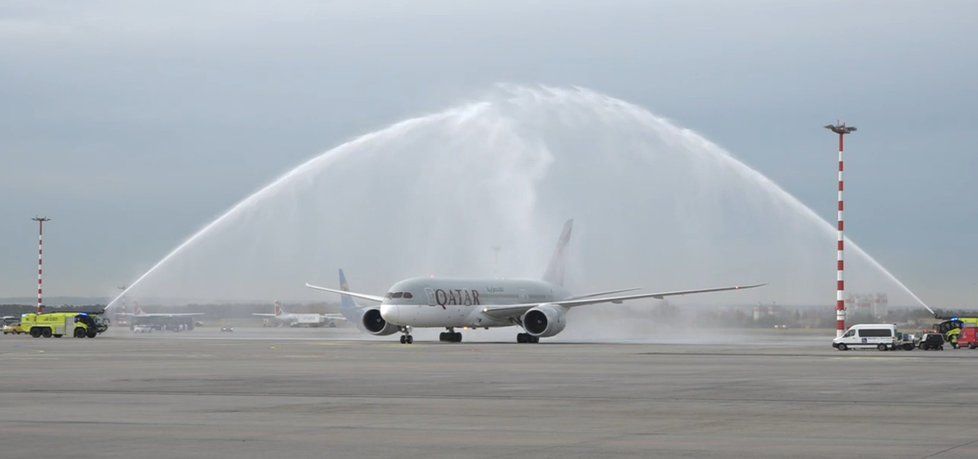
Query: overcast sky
(132, 124)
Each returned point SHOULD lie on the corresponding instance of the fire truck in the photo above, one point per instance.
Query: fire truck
(58, 324)
(951, 328)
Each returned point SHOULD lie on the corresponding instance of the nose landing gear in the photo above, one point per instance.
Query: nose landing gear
(450, 337)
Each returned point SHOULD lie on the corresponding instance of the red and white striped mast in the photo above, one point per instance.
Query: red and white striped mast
(840, 303)
(40, 261)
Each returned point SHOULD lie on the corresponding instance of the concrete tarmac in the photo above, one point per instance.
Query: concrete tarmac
(296, 394)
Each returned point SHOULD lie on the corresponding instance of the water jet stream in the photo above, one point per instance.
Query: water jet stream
(657, 205)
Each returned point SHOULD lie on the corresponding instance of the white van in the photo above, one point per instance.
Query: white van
(865, 336)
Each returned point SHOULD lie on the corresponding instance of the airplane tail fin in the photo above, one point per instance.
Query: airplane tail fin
(555, 270)
(278, 308)
(138, 310)
(348, 306)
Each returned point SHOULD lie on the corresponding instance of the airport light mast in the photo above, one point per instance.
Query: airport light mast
(40, 261)
(840, 305)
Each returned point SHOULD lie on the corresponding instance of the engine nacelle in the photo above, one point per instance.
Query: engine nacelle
(374, 324)
(545, 320)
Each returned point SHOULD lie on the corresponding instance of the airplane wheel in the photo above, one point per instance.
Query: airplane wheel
(410, 339)
(458, 337)
(403, 339)
(443, 337)
(522, 338)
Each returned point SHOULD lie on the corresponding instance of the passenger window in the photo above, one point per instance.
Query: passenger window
(408, 295)
(397, 295)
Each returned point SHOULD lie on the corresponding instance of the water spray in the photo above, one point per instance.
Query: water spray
(528, 148)
(40, 261)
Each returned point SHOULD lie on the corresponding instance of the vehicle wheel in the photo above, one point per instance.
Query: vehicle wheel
(908, 347)
(58, 336)
(35, 332)
(79, 333)
(403, 339)
(91, 333)
(843, 347)
(971, 346)
(881, 347)
(46, 332)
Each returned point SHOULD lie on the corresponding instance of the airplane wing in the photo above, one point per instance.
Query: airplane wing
(363, 296)
(510, 310)
(609, 292)
(333, 316)
(262, 315)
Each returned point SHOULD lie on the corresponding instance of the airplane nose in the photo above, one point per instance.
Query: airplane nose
(390, 312)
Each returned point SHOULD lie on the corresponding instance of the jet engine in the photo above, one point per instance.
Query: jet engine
(375, 324)
(544, 320)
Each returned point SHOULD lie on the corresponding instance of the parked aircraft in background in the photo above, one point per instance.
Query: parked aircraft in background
(281, 317)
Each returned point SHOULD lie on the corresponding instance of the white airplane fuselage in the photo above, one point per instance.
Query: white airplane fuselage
(294, 320)
(448, 303)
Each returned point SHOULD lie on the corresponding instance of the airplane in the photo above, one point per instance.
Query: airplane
(161, 320)
(538, 307)
(298, 320)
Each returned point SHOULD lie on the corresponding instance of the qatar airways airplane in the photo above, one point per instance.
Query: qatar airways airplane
(538, 307)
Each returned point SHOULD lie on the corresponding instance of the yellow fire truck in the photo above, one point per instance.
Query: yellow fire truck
(951, 329)
(58, 324)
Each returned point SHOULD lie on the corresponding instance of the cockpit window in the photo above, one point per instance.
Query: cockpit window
(408, 295)
(397, 294)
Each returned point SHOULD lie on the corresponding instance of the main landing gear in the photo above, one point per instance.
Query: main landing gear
(406, 338)
(527, 338)
(451, 336)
